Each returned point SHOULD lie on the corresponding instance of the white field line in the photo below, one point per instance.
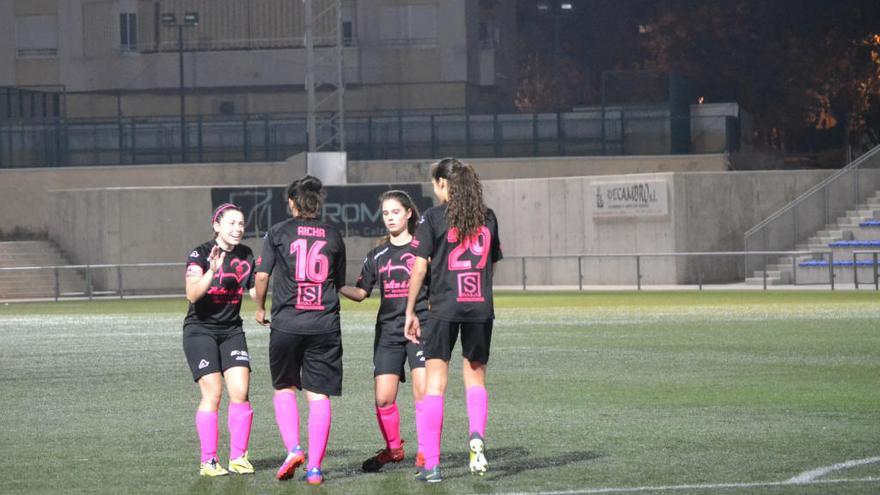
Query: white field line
(811, 475)
(711, 486)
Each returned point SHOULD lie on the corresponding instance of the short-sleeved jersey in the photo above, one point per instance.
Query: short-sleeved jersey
(308, 259)
(220, 307)
(461, 269)
(388, 267)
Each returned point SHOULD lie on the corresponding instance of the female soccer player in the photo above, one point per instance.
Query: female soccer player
(217, 274)
(305, 344)
(460, 238)
(389, 265)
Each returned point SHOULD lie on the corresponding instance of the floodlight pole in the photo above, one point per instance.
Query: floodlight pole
(190, 19)
(182, 95)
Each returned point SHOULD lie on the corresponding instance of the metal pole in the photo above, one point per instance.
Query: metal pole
(524, 273)
(855, 271)
(700, 279)
(311, 124)
(58, 282)
(119, 287)
(874, 265)
(467, 133)
(535, 134)
(119, 128)
(831, 269)
(793, 270)
(580, 274)
(266, 141)
(765, 277)
(556, 47)
(200, 145)
(638, 272)
(89, 282)
(244, 137)
(182, 96)
(433, 138)
(340, 81)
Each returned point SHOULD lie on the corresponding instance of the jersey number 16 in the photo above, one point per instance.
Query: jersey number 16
(311, 265)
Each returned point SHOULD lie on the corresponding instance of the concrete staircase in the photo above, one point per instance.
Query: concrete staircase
(27, 284)
(781, 270)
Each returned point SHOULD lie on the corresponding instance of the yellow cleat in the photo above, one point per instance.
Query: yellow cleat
(241, 465)
(212, 468)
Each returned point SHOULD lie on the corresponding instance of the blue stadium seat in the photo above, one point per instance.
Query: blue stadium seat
(820, 263)
(870, 223)
(859, 243)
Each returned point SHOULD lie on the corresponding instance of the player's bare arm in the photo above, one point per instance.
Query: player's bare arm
(411, 328)
(356, 294)
(261, 287)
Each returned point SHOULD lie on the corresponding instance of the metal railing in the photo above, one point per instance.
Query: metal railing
(274, 137)
(637, 270)
(698, 270)
(818, 207)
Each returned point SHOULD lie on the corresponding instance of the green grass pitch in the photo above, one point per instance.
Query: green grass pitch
(684, 392)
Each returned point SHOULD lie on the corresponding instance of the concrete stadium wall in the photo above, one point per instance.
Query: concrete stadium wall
(25, 204)
(518, 168)
(538, 217)
(26, 199)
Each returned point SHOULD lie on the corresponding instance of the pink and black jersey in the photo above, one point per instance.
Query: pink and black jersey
(388, 267)
(308, 259)
(220, 307)
(461, 269)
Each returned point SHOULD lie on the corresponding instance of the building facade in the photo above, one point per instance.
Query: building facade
(112, 58)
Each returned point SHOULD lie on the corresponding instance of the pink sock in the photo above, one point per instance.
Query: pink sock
(287, 417)
(420, 428)
(389, 424)
(239, 422)
(209, 432)
(433, 423)
(478, 409)
(319, 431)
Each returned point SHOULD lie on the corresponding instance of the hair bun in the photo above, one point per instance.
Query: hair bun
(311, 183)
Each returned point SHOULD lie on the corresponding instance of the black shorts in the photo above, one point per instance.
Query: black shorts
(439, 336)
(389, 357)
(309, 362)
(211, 352)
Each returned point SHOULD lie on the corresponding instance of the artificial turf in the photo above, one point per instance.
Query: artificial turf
(588, 392)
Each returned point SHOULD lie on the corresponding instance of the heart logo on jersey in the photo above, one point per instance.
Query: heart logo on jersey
(242, 269)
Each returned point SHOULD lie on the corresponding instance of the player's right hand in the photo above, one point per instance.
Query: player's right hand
(411, 329)
(216, 258)
(260, 316)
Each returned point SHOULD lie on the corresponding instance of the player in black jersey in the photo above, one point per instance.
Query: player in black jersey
(388, 265)
(217, 274)
(305, 344)
(460, 238)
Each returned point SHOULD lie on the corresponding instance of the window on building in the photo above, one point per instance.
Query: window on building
(490, 35)
(348, 38)
(128, 32)
(408, 24)
(36, 36)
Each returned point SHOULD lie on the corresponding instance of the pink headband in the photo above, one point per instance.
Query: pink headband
(220, 209)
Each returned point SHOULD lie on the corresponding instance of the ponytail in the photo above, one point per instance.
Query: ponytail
(465, 211)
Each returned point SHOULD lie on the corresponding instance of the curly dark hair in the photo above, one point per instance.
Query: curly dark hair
(466, 211)
(308, 195)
